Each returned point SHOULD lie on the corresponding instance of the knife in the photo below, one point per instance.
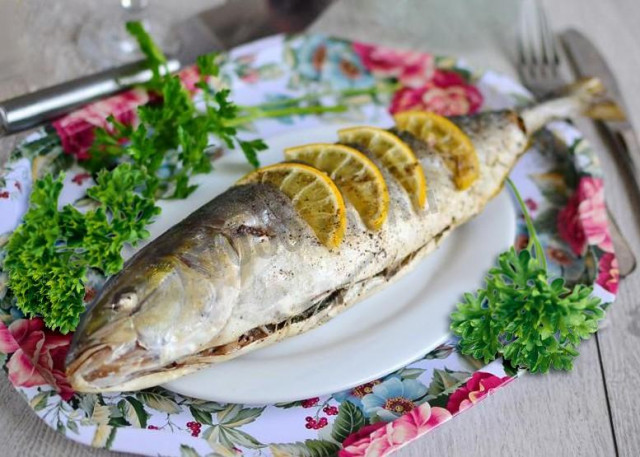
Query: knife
(588, 61)
(234, 23)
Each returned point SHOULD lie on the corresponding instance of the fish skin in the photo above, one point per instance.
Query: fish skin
(245, 270)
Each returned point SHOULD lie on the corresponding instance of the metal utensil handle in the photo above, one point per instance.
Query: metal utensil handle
(33, 109)
(626, 151)
(626, 258)
(628, 144)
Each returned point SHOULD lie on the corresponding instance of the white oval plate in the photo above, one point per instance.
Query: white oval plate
(376, 336)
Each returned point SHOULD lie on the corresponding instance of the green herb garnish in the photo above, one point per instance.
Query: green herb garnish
(174, 124)
(49, 254)
(156, 59)
(531, 321)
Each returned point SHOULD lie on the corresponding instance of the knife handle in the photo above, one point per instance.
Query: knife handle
(627, 144)
(624, 254)
(31, 110)
(627, 151)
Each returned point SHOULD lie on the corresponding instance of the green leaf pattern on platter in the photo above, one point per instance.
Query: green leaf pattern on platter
(350, 419)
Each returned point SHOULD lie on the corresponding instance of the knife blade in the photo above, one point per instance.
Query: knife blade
(221, 28)
(586, 60)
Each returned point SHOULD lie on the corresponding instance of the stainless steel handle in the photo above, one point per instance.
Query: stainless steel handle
(626, 150)
(33, 109)
(624, 254)
(628, 144)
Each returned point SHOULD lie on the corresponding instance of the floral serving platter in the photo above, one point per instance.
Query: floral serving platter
(560, 178)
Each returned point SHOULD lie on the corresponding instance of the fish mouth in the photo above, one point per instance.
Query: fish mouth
(97, 369)
(81, 368)
(101, 367)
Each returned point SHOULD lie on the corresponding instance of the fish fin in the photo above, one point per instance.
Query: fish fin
(593, 95)
(585, 97)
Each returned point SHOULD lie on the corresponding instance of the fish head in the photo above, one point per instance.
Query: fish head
(160, 308)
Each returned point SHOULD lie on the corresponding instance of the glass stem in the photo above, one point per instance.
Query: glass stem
(134, 6)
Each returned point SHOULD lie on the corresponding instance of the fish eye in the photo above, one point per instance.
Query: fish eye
(125, 301)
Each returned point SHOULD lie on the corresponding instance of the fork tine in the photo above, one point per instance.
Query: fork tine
(522, 57)
(526, 44)
(550, 56)
(555, 56)
(538, 52)
(540, 19)
(522, 65)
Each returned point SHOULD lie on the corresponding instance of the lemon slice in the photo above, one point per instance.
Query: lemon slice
(395, 155)
(314, 195)
(354, 173)
(451, 143)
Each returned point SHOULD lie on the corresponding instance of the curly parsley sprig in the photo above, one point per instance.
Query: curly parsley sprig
(174, 124)
(533, 322)
(49, 254)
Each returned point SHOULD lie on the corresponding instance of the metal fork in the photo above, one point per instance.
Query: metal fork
(540, 69)
(538, 56)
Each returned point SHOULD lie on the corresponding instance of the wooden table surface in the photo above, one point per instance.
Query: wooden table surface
(592, 411)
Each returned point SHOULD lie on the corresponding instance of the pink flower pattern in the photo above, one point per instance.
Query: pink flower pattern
(379, 440)
(412, 69)
(583, 221)
(475, 389)
(190, 76)
(37, 355)
(608, 272)
(76, 130)
(447, 94)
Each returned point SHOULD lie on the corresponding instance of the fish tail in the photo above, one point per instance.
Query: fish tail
(584, 97)
(593, 96)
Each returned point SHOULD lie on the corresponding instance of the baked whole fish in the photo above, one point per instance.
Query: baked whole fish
(245, 270)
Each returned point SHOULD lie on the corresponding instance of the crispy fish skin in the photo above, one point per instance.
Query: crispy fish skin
(245, 270)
